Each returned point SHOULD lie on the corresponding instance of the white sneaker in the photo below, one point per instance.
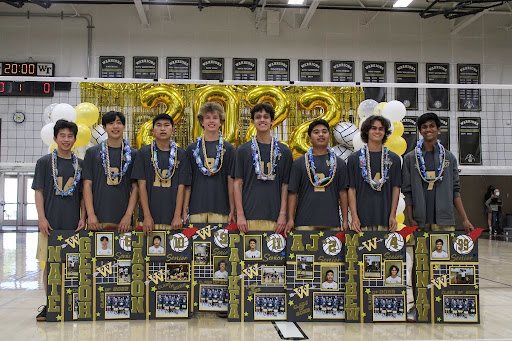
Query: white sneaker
(411, 315)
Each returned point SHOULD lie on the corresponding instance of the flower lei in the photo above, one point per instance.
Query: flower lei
(366, 169)
(173, 148)
(126, 155)
(55, 173)
(311, 169)
(420, 163)
(219, 157)
(256, 157)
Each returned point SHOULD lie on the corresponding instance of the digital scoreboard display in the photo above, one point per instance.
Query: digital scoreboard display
(29, 69)
(40, 89)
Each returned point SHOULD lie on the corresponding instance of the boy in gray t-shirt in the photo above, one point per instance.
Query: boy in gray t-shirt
(375, 179)
(58, 197)
(160, 172)
(318, 183)
(109, 193)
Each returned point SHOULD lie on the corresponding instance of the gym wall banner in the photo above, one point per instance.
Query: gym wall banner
(245, 69)
(342, 71)
(438, 99)
(444, 132)
(277, 70)
(178, 67)
(410, 132)
(111, 67)
(310, 70)
(374, 72)
(407, 73)
(211, 68)
(145, 67)
(470, 140)
(469, 99)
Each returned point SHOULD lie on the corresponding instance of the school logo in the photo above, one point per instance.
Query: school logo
(438, 104)
(463, 244)
(221, 238)
(276, 242)
(179, 242)
(332, 246)
(407, 103)
(125, 241)
(470, 158)
(394, 242)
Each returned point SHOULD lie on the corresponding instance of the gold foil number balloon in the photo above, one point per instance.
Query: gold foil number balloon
(272, 95)
(299, 141)
(152, 98)
(228, 99)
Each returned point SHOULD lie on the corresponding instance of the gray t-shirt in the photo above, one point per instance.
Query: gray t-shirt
(317, 207)
(374, 207)
(63, 213)
(262, 199)
(110, 199)
(209, 193)
(430, 196)
(161, 195)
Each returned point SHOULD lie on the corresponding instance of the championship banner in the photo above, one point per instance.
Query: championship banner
(342, 71)
(469, 99)
(444, 132)
(410, 134)
(277, 70)
(178, 67)
(315, 276)
(310, 70)
(245, 69)
(374, 72)
(211, 264)
(168, 280)
(262, 278)
(470, 141)
(407, 73)
(145, 67)
(446, 273)
(69, 264)
(438, 99)
(111, 67)
(381, 277)
(211, 68)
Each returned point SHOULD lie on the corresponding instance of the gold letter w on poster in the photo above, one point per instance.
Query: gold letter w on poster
(370, 244)
(302, 291)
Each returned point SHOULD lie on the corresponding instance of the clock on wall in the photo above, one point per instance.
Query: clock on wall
(18, 117)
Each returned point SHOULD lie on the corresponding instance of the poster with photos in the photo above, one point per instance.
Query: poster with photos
(261, 278)
(315, 276)
(65, 256)
(168, 269)
(454, 280)
(377, 275)
(112, 274)
(210, 267)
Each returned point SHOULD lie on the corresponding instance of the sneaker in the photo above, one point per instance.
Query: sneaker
(41, 317)
(222, 314)
(411, 315)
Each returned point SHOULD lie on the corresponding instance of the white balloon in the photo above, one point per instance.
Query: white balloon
(47, 134)
(365, 108)
(357, 142)
(342, 152)
(98, 135)
(401, 206)
(47, 113)
(394, 111)
(63, 111)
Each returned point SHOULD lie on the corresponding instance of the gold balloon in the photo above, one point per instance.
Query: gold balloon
(84, 135)
(400, 218)
(87, 113)
(399, 128)
(226, 97)
(299, 141)
(272, 95)
(152, 98)
(378, 109)
(396, 144)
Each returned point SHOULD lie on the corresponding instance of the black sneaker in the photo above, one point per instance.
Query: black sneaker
(41, 317)
(222, 314)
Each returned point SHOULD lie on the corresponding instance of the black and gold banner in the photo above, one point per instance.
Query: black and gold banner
(211, 68)
(310, 70)
(374, 72)
(444, 132)
(410, 132)
(245, 69)
(407, 73)
(111, 67)
(145, 67)
(178, 67)
(469, 99)
(438, 99)
(277, 70)
(470, 144)
(342, 71)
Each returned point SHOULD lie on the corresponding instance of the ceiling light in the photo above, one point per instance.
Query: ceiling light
(402, 3)
(297, 2)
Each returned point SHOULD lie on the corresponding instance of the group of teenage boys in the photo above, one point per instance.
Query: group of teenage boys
(257, 185)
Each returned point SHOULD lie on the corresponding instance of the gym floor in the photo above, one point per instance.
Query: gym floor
(21, 294)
